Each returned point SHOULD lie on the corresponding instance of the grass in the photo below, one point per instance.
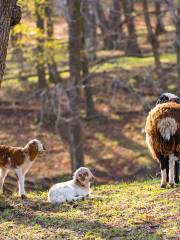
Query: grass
(138, 210)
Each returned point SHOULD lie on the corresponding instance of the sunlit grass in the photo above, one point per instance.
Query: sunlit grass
(138, 210)
(132, 62)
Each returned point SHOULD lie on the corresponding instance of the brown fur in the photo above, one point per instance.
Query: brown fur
(157, 144)
(14, 156)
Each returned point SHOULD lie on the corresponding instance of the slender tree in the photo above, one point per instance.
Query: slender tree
(75, 42)
(132, 47)
(40, 54)
(51, 63)
(160, 28)
(103, 24)
(152, 37)
(174, 10)
(88, 12)
(10, 15)
(115, 25)
(86, 76)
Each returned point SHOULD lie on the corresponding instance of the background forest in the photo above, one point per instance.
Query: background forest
(81, 76)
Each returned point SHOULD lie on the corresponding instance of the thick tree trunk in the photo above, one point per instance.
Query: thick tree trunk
(152, 37)
(40, 57)
(10, 14)
(160, 28)
(51, 63)
(75, 43)
(132, 47)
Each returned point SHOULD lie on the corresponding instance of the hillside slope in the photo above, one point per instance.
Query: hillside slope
(138, 210)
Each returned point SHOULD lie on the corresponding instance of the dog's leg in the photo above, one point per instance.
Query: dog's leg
(172, 159)
(177, 171)
(20, 176)
(3, 174)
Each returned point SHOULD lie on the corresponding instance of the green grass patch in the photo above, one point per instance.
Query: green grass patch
(138, 210)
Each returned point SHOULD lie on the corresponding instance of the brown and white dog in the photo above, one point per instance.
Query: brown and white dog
(19, 160)
(75, 189)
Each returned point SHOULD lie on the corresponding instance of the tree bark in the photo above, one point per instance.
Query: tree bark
(86, 77)
(160, 28)
(115, 25)
(51, 63)
(40, 55)
(132, 47)
(10, 15)
(75, 43)
(103, 25)
(175, 16)
(90, 29)
(152, 37)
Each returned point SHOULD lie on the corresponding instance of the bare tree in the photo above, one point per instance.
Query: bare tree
(51, 63)
(10, 15)
(103, 24)
(40, 58)
(132, 47)
(111, 26)
(115, 25)
(152, 37)
(75, 42)
(175, 15)
(160, 28)
(88, 12)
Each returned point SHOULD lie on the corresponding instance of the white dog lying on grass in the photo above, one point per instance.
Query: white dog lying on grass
(75, 189)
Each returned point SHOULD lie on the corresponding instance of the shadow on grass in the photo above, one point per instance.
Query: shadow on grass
(34, 213)
(119, 162)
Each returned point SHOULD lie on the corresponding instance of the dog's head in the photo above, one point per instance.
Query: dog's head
(83, 176)
(167, 97)
(34, 147)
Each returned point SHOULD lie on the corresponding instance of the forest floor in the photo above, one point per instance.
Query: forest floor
(114, 148)
(128, 211)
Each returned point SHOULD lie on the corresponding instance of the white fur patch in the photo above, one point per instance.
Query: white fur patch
(167, 127)
(163, 177)
(172, 160)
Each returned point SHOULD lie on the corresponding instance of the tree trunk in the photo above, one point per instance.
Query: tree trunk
(175, 15)
(90, 29)
(152, 37)
(177, 44)
(40, 62)
(51, 63)
(160, 28)
(115, 25)
(132, 47)
(86, 77)
(103, 25)
(10, 15)
(75, 43)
